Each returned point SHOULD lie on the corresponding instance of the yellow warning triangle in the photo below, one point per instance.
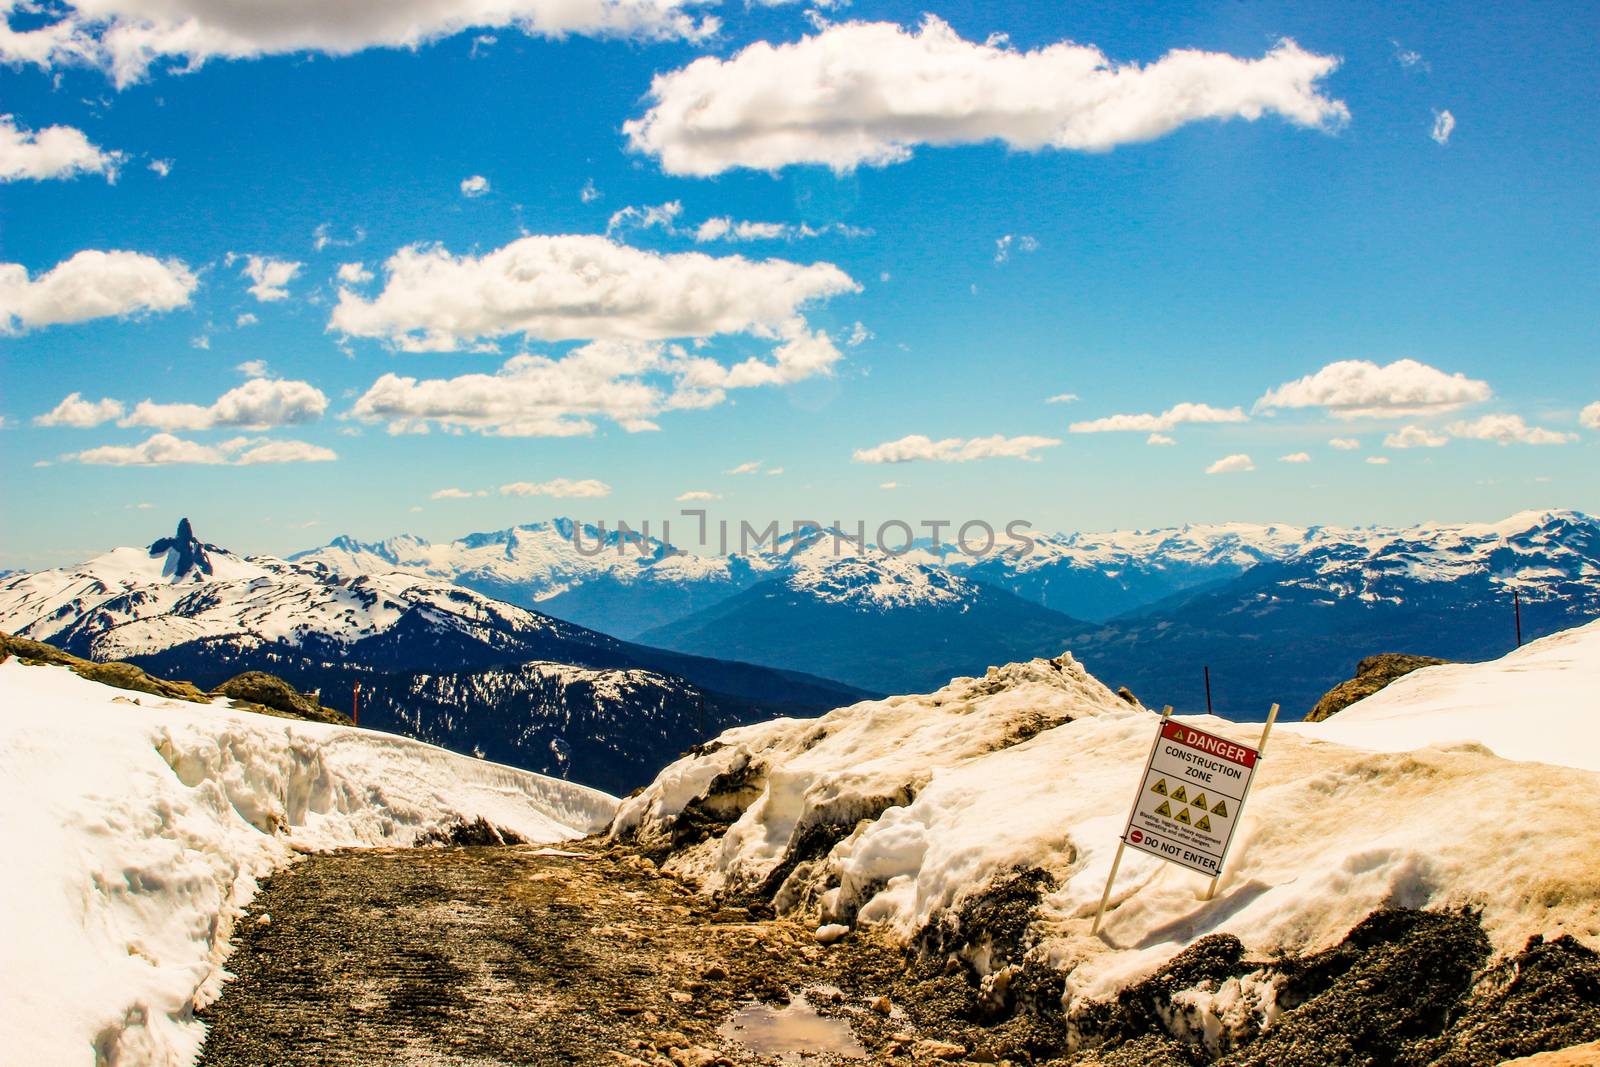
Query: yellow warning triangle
(1199, 801)
(1203, 823)
(1183, 816)
(1220, 809)
(1179, 795)
(1164, 809)
(1160, 787)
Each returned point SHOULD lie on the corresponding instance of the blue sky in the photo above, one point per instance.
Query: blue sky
(1210, 263)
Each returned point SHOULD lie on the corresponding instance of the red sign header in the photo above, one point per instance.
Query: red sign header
(1210, 744)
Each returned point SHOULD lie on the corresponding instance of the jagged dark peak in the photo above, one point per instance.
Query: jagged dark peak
(186, 554)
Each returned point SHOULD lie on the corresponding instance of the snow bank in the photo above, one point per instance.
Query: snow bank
(901, 812)
(136, 834)
(1525, 706)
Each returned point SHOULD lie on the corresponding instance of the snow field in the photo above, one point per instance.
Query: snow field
(137, 834)
(933, 803)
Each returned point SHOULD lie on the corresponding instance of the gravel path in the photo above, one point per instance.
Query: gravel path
(501, 955)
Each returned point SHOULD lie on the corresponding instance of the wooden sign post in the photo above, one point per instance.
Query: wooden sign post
(1190, 800)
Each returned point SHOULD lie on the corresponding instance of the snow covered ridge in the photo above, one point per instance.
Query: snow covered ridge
(134, 601)
(907, 812)
(1537, 703)
(1087, 575)
(136, 833)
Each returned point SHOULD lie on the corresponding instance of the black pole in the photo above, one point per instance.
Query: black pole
(1516, 604)
(1208, 690)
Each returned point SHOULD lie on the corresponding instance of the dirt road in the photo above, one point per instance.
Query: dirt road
(511, 955)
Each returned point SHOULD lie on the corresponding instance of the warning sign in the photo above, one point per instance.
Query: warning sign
(1189, 802)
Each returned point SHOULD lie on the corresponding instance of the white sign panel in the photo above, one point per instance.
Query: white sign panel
(1191, 797)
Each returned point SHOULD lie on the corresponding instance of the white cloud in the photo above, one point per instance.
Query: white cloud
(161, 167)
(589, 194)
(726, 228)
(247, 319)
(629, 382)
(1407, 57)
(53, 152)
(1295, 457)
(1173, 417)
(916, 447)
(1508, 430)
(163, 449)
(773, 472)
(75, 411)
(858, 335)
(1378, 461)
(868, 93)
(1359, 388)
(1003, 246)
(263, 451)
(1061, 398)
(1590, 416)
(1234, 464)
(1415, 437)
(140, 507)
(753, 467)
(474, 186)
(458, 494)
(253, 368)
(582, 287)
(91, 285)
(259, 404)
(354, 274)
(696, 494)
(888, 485)
(561, 487)
(1344, 444)
(201, 342)
(324, 237)
(269, 277)
(1160, 439)
(649, 217)
(1444, 124)
(127, 38)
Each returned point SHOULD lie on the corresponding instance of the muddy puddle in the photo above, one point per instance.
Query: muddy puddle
(792, 1034)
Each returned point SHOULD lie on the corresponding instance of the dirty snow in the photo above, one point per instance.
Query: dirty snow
(932, 798)
(136, 833)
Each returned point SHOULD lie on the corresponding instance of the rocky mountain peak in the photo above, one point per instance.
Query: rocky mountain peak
(186, 554)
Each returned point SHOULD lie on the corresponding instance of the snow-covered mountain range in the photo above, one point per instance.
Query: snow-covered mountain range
(1279, 612)
(620, 582)
(626, 584)
(1288, 629)
(434, 660)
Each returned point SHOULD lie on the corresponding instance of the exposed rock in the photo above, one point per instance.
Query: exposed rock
(272, 694)
(185, 552)
(116, 673)
(940, 1050)
(1372, 674)
(1584, 1055)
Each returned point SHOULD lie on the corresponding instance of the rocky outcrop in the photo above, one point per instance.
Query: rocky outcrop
(118, 674)
(1372, 674)
(273, 695)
